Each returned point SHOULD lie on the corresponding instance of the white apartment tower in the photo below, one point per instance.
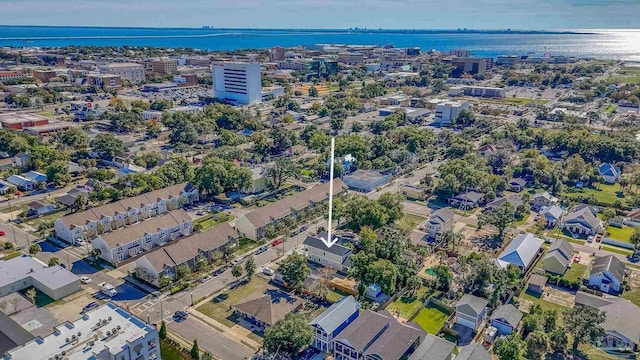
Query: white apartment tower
(447, 112)
(237, 82)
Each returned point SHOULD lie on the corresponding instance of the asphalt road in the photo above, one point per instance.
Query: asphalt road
(210, 339)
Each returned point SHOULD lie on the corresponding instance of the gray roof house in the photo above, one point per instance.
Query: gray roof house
(582, 221)
(515, 200)
(467, 200)
(473, 351)
(433, 348)
(520, 252)
(506, 319)
(332, 321)
(439, 222)
(540, 200)
(471, 311)
(558, 257)
(607, 274)
(336, 256)
(621, 321)
(552, 214)
(517, 184)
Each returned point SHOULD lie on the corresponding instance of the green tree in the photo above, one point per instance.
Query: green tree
(383, 273)
(313, 92)
(585, 323)
(58, 172)
(183, 131)
(184, 271)
(537, 344)
(250, 267)
(195, 350)
(500, 217)
(162, 334)
(509, 348)
(443, 277)
(635, 240)
(294, 270)
(236, 271)
(54, 261)
(34, 249)
(288, 335)
(107, 146)
(75, 138)
(558, 340)
(281, 171)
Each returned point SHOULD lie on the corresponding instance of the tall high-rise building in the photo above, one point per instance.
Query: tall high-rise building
(237, 82)
(277, 53)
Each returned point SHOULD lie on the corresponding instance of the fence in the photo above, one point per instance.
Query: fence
(609, 241)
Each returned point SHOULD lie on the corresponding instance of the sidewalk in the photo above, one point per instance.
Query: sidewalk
(225, 330)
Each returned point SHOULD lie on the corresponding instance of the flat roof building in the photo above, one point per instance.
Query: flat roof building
(24, 271)
(130, 71)
(237, 82)
(108, 332)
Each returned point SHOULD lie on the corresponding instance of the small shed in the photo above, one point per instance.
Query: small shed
(536, 284)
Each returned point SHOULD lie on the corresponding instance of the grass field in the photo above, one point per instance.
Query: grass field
(621, 234)
(543, 303)
(630, 70)
(610, 109)
(576, 272)
(431, 319)
(169, 352)
(336, 295)
(246, 245)
(12, 208)
(210, 220)
(406, 307)
(616, 250)
(607, 194)
(11, 255)
(218, 308)
(523, 101)
(633, 295)
(621, 79)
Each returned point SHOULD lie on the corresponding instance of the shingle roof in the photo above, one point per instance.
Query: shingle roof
(150, 226)
(331, 318)
(545, 195)
(262, 216)
(441, 215)
(433, 348)
(473, 351)
(610, 264)
(554, 211)
(470, 196)
(622, 316)
(521, 251)
(518, 181)
(509, 313)
(537, 280)
(270, 308)
(583, 215)
(561, 246)
(315, 242)
(471, 305)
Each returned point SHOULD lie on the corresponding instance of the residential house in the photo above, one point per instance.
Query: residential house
(607, 274)
(517, 184)
(473, 351)
(254, 224)
(5, 187)
(610, 173)
(536, 284)
(514, 200)
(87, 224)
(622, 333)
(471, 311)
(521, 252)
(433, 348)
(377, 335)
(488, 149)
(119, 245)
(468, 200)
(552, 215)
(440, 221)
(506, 319)
(268, 309)
(21, 182)
(583, 220)
(21, 159)
(37, 208)
(35, 176)
(6, 164)
(336, 256)
(540, 200)
(558, 257)
(259, 181)
(332, 321)
(164, 262)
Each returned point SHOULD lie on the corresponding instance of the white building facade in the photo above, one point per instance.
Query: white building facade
(130, 71)
(447, 112)
(238, 82)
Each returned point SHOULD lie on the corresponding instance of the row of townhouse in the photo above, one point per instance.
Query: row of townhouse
(133, 240)
(189, 251)
(87, 224)
(254, 224)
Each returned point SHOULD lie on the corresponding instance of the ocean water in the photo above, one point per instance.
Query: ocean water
(602, 44)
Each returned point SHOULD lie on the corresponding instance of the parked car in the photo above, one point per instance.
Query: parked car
(205, 279)
(268, 271)
(89, 306)
(2, 233)
(85, 280)
(590, 239)
(180, 315)
(576, 259)
(236, 261)
(276, 242)
(218, 271)
(261, 249)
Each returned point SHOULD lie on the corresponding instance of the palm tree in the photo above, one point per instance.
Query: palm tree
(54, 261)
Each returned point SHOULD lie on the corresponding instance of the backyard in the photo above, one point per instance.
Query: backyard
(575, 273)
(210, 220)
(431, 319)
(336, 295)
(404, 307)
(606, 194)
(621, 234)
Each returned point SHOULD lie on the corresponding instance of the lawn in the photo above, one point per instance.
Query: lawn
(210, 220)
(630, 70)
(431, 319)
(523, 220)
(406, 307)
(11, 255)
(218, 308)
(413, 220)
(607, 194)
(616, 250)
(576, 272)
(49, 218)
(19, 207)
(336, 295)
(246, 245)
(543, 303)
(633, 295)
(624, 79)
(170, 352)
(524, 101)
(621, 234)
(611, 108)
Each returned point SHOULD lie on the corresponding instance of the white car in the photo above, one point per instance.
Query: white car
(268, 271)
(79, 242)
(85, 280)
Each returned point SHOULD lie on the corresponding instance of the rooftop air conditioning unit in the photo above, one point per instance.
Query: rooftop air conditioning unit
(66, 340)
(108, 333)
(118, 327)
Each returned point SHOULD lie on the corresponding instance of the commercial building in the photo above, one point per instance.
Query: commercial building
(466, 65)
(508, 60)
(192, 110)
(47, 129)
(254, 224)
(323, 68)
(186, 80)
(237, 82)
(351, 58)
(460, 52)
(105, 81)
(43, 75)
(129, 71)
(277, 53)
(24, 272)
(400, 62)
(119, 245)
(18, 121)
(87, 224)
(366, 180)
(164, 66)
(108, 332)
(477, 91)
(447, 112)
(11, 75)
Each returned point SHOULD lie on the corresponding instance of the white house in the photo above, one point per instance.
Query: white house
(610, 173)
(607, 274)
(583, 220)
(332, 321)
(336, 256)
(471, 311)
(121, 244)
(37, 208)
(87, 224)
(439, 222)
(540, 200)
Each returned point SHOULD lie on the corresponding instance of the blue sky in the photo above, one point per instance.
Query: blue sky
(424, 14)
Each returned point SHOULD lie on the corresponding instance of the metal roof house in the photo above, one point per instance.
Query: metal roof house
(520, 252)
(332, 321)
